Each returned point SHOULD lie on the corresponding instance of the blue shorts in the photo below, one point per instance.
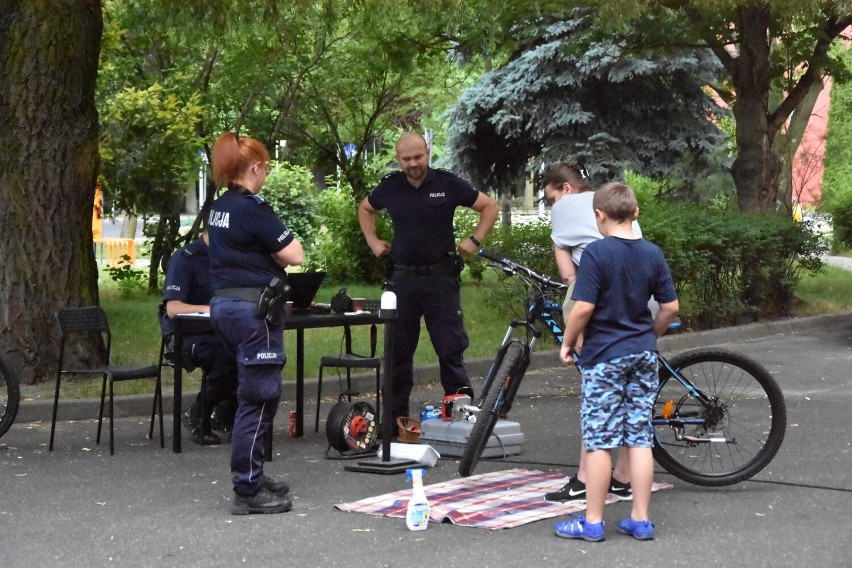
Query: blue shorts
(618, 402)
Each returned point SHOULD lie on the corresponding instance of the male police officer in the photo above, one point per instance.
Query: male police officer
(187, 290)
(421, 202)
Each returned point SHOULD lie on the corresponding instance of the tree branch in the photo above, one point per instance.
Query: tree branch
(832, 28)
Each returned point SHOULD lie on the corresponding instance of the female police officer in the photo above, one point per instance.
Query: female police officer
(249, 248)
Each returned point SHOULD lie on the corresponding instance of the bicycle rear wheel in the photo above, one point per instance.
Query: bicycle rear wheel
(10, 397)
(492, 408)
(728, 439)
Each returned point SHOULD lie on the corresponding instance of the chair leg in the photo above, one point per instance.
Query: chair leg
(101, 414)
(160, 398)
(154, 409)
(349, 383)
(55, 408)
(319, 397)
(111, 415)
(158, 402)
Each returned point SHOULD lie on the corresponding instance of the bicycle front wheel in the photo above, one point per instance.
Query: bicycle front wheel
(729, 434)
(492, 408)
(10, 397)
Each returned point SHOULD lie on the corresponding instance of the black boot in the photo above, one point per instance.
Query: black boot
(196, 430)
(277, 487)
(263, 502)
(222, 418)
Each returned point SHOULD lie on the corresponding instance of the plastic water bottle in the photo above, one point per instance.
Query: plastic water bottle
(417, 514)
(427, 413)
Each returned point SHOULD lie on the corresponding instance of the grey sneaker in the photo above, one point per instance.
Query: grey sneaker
(622, 491)
(574, 490)
(263, 501)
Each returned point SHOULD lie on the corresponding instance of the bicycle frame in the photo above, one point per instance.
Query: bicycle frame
(544, 313)
(692, 408)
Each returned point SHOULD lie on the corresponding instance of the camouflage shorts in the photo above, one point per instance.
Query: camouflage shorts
(618, 402)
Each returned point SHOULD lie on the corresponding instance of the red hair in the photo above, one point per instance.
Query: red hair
(232, 155)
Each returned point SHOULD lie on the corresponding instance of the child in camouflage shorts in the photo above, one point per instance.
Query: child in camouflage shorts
(618, 358)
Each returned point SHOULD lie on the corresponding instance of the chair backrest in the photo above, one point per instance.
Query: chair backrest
(347, 340)
(86, 319)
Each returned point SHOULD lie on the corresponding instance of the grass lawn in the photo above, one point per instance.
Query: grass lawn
(487, 307)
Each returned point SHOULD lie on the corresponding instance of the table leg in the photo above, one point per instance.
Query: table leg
(178, 394)
(300, 382)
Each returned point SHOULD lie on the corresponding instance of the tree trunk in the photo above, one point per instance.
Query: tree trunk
(787, 143)
(48, 170)
(166, 241)
(756, 169)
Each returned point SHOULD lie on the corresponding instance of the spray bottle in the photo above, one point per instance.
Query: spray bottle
(417, 515)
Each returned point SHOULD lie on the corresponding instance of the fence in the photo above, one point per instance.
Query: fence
(111, 250)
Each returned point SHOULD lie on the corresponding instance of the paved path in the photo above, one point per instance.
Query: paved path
(839, 261)
(77, 506)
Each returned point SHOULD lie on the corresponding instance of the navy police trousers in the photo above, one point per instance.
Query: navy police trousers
(259, 352)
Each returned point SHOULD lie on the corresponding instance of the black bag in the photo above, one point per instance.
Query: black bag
(341, 302)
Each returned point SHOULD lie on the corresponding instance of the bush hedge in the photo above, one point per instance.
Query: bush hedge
(728, 267)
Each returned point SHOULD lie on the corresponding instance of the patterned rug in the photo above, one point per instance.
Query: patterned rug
(494, 501)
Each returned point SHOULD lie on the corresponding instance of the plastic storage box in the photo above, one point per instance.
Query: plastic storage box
(450, 438)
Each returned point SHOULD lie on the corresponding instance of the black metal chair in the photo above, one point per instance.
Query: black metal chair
(93, 320)
(349, 360)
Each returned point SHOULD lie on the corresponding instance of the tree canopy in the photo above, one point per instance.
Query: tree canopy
(570, 94)
(778, 47)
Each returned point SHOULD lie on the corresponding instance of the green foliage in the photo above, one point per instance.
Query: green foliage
(527, 243)
(728, 267)
(291, 192)
(341, 249)
(571, 94)
(837, 178)
(148, 147)
(130, 280)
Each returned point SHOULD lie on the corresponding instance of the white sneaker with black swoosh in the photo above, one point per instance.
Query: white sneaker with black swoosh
(573, 491)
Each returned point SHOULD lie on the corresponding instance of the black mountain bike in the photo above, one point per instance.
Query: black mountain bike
(10, 397)
(719, 416)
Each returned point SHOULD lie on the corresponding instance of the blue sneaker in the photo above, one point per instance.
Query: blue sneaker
(579, 528)
(640, 530)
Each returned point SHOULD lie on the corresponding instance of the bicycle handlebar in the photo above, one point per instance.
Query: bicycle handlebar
(512, 267)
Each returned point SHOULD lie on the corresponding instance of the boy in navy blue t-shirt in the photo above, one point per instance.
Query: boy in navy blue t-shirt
(618, 358)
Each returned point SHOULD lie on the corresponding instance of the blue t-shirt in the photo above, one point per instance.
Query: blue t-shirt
(244, 232)
(619, 276)
(422, 217)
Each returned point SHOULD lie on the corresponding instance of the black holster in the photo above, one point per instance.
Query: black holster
(270, 305)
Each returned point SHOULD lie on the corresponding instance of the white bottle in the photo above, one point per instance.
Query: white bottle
(417, 515)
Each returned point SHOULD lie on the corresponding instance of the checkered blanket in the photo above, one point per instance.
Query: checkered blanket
(498, 500)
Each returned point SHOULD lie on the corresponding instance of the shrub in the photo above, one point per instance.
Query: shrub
(728, 267)
(340, 248)
(291, 192)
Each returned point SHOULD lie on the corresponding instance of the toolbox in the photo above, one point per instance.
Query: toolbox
(450, 438)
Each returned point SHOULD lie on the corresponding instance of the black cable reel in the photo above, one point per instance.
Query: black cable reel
(352, 428)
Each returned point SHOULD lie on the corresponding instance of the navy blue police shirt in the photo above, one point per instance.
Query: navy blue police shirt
(422, 216)
(243, 232)
(188, 275)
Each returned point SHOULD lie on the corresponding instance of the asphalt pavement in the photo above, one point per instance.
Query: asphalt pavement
(146, 506)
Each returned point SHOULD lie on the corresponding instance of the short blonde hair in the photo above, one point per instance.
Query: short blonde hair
(616, 200)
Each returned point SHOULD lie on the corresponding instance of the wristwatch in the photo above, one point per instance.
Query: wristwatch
(475, 241)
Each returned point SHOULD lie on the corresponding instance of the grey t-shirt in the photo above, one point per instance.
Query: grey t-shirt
(573, 224)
